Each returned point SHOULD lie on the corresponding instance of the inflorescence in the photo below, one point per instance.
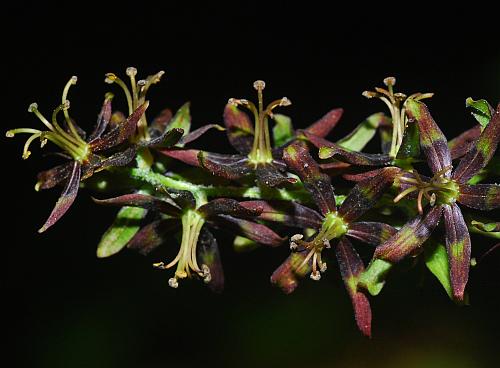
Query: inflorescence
(279, 179)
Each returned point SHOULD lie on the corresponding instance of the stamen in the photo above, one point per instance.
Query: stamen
(173, 283)
(112, 78)
(205, 274)
(34, 109)
(259, 85)
(132, 72)
(26, 152)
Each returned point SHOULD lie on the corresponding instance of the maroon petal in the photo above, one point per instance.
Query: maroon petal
(50, 178)
(102, 120)
(251, 230)
(167, 139)
(67, 197)
(299, 160)
(287, 274)
(119, 159)
(121, 132)
(362, 176)
(188, 156)
(269, 175)
(462, 144)
(324, 126)
(239, 129)
(410, 237)
(290, 214)
(230, 167)
(152, 236)
(482, 152)
(374, 233)
(432, 139)
(458, 247)
(484, 197)
(166, 206)
(195, 134)
(208, 254)
(227, 206)
(159, 124)
(329, 150)
(366, 194)
(351, 267)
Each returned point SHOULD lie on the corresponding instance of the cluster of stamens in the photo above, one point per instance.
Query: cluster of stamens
(137, 96)
(438, 184)
(314, 249)
(186, 260)
(396, 103)
(67, 139)
(261, 148)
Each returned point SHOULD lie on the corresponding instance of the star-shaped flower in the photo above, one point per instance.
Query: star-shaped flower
(85, 154)
(334, 225)
(444, 191)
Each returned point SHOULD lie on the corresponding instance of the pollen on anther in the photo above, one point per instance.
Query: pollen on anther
(296, 237)
(316, 276)
(33, 107)
(74, 79)
(110, 78)
(9, 134)
(390, 81)
(369, 94)
(285, 102)
(173, 283)
(259, 85)
(131, 71)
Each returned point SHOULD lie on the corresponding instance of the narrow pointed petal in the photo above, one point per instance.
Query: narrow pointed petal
(385, 133)
(366, 194)
(299, 160)
(410, 237)
(145, 201)
(462, 144)
(410, 146)
(195, 134)
(230, 167)
(287, 274)
(269, 175)
(168, 138)
(120, 133)
(208, 254)
(458, 247)
(183, 198)
(290, 214)
(351, 266)
(118, 159)
(482, 152)
(227, 206)
(483, 197)
(251, 230)
(239, 127)
(152, 236)
(159, 123)
(102, 120)
(188, 156)
(373, 233)
(324, 126)
(66, 199)
(328, 149)
(432, 139)
(362, 176)
(50, 178)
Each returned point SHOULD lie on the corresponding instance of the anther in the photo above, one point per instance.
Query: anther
(285, 102)
(296, 237)
(9, 134)
(390, 81)
(259, 85)
(73, 79)
(326, 243)
(110, 78)
(33, 107)
(173, 283)
(131, 71)
(369, 94)
(316, 276)
(159, 265)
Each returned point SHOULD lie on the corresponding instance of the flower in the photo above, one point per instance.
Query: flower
(198, 253)
(334, 225)
(444, 191)
(85, 154)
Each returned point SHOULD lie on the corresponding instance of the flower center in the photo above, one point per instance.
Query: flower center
(261, 152)
(439, 189)
(185, 260)
(333, 227)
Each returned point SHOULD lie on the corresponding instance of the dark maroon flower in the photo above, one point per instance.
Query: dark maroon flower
(444, 191)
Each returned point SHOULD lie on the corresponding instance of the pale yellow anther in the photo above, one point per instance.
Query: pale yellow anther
(389, 81)
(131, 71)
(259, 85)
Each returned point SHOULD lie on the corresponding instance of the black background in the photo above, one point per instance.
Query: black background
(65, 308)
